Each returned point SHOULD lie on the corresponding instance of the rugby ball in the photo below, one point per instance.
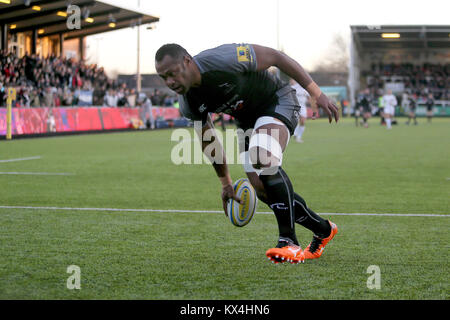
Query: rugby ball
(241, 214)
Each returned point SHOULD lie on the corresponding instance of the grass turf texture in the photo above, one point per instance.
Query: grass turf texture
(132, 255)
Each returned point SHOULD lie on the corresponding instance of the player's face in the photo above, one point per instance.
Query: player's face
(174, 73)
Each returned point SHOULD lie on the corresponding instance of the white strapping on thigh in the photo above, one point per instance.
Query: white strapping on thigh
(261, 121)
(267, 142)
(244, 157)
(276, 150)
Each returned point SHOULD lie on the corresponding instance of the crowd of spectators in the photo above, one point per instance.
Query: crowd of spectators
(50, 81)
(418, 80)
(54, 81)
(125, 97)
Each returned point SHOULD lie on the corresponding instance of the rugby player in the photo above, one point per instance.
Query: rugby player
(429, 103)
(303, 99)
(365, 103)
(233, 79)
(412, 106)
(389, 102)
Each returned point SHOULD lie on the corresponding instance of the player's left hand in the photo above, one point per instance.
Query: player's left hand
(227, 194)
(330, 108)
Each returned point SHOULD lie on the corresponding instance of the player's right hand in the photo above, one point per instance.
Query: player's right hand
(227, 194)
(330, 109)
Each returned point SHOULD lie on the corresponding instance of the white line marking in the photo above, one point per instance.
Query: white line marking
(218, 211)
(20, 159)
(40, 173)
(388, 214)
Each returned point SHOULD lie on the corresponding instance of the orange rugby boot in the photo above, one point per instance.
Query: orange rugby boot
(287, 253)
(315, 248)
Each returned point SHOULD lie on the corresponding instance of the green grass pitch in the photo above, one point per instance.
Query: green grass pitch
(339, 168)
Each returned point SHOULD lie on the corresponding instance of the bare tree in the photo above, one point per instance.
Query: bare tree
(336, 57)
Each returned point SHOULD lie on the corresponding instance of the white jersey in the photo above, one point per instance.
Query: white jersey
(302, 94)
(389, 103)
(389, 100)
(302, 97)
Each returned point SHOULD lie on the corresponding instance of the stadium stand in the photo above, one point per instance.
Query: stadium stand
(44, 84)
(412, 61)
(42, 60)
(32, 75)
(40, 50)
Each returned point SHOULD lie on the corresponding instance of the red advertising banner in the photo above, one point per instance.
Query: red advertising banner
(47, 120)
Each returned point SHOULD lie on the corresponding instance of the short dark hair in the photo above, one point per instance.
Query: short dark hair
(172, 49)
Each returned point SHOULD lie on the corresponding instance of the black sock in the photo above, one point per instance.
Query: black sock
(309, 219)
(280, 198)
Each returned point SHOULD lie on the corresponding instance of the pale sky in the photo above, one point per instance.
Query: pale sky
(305, 27)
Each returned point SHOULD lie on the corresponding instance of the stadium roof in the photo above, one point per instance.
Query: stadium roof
(413, 37)
(48, 17)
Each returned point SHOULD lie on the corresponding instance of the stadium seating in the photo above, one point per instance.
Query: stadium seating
(416, 79)
(55, 81)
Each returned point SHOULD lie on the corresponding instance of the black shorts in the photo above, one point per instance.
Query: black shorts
(284, 108)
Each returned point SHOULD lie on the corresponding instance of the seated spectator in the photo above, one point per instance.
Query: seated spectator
(48, 98)
(25, 98)
(168, 101)
(56, 99)
(67, 98)
(35, 100)
(111, 98)
(121, 98)
(98, 94)
(131, 97)
(2, 95)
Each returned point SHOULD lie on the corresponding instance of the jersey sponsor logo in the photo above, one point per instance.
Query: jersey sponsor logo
(229, 109)
(202, 108)
(243, 53)
(231, 105)
(238, 105)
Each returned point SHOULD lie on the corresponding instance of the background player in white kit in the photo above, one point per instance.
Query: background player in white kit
(389, 102)
(303, 98)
